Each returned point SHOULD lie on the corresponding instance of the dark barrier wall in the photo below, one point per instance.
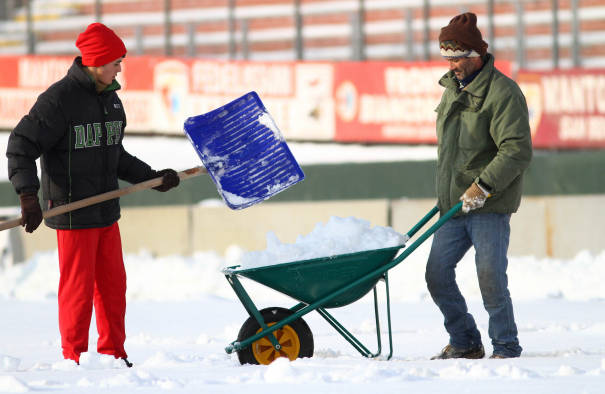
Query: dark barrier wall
(550, 173)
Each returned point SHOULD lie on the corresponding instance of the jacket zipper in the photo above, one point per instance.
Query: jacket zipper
(103, 141)
(69, 149)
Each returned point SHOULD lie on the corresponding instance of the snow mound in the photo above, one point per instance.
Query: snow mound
(337, 236)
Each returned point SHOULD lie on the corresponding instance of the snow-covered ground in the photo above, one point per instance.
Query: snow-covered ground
(182, 313)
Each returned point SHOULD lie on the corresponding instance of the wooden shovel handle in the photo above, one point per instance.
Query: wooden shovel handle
(61, 209)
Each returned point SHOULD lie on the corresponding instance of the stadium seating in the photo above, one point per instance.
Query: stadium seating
(522, 31)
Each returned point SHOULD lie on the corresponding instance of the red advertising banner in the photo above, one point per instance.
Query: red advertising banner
(387, 102)
(159, 93)
(567, 107)
(365, 102)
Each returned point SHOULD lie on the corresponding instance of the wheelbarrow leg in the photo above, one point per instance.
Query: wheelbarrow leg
(386, 284)
(349, 337)
(252, 310)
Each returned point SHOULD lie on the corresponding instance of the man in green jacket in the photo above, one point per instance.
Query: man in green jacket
(484, 146)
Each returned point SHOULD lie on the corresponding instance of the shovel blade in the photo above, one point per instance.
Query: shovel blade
(244, 151)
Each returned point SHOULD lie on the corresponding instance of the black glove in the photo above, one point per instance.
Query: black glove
(31, 213)
(170, 179)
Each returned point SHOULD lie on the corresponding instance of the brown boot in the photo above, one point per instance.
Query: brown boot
(451, 352)
(499, 356)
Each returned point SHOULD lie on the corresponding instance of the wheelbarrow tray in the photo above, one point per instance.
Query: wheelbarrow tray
(310, 280)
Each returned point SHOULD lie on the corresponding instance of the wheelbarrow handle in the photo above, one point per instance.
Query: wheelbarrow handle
(185, 174)
(422, 222)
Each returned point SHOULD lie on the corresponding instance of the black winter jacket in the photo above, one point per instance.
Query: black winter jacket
(77, 133)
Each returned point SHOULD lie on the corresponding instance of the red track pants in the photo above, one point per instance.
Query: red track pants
(92, 271)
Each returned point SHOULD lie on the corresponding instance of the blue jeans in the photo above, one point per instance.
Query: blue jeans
(489, 234)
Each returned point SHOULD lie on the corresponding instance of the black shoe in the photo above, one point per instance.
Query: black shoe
(451, 352)
(128, 363)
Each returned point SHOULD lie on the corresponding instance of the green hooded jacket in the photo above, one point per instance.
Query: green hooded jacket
(483, 133)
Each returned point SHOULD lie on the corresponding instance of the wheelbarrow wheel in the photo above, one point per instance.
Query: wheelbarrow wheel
(295, 339)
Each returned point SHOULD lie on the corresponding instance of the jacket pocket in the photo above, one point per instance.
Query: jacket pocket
(474, 131)
(55, 203)
(464, 177)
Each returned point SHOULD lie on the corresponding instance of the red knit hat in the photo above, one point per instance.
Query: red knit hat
(99, 45)
(462, 38)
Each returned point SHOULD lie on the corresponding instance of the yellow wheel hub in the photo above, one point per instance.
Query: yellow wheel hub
(265, 353)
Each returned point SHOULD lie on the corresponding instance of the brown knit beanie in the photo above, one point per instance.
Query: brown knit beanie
(461, 38)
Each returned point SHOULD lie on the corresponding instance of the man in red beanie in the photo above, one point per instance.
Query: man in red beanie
(76, 128)
(484, 146)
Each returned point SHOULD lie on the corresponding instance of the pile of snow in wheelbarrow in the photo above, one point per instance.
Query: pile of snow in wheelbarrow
(337, 236)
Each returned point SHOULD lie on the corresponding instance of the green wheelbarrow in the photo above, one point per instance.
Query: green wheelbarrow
(318, 284)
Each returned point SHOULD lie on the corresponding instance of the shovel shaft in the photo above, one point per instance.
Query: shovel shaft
(189, 173)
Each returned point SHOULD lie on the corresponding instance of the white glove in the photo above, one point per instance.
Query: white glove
(473, 198)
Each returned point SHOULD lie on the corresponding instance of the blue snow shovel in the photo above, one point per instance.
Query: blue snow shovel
(243, 151)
